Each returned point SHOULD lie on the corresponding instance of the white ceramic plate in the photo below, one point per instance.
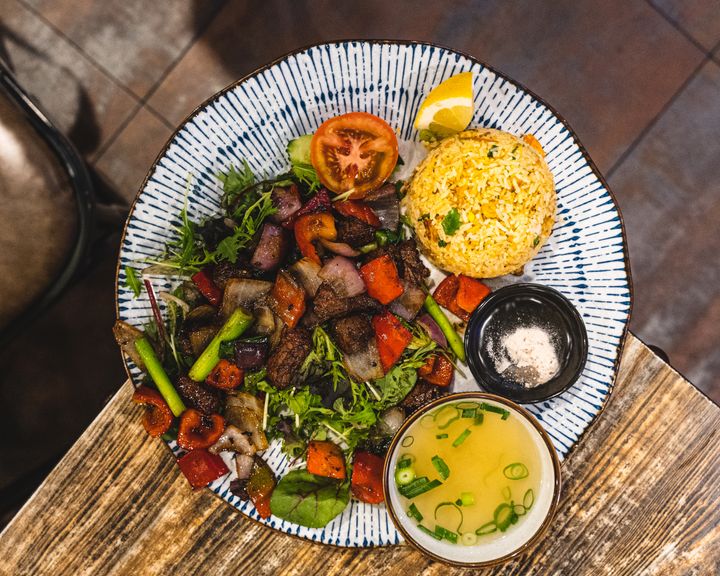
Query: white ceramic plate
(585, 259)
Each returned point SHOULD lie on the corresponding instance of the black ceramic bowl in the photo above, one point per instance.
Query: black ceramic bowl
(526, 305)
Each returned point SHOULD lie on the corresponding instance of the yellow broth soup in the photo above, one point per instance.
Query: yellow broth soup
(468, 472)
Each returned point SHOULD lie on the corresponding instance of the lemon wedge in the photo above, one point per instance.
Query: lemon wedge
(448, 108)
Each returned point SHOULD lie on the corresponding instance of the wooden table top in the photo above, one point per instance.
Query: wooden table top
(641, 496)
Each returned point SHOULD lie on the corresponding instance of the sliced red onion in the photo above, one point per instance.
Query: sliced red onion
(319, 203)
(250, 354)
(433, 330)
(365, 365)
(343, 276)
(270, 249)
(307, 271)
(243, 292)
(287, 202)
(409, 303)
(340, 248)
(244, 464)
(386, 205)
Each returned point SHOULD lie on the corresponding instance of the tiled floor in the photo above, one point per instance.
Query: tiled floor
(639, 81)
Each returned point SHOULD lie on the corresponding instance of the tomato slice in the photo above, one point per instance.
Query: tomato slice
(356, 151)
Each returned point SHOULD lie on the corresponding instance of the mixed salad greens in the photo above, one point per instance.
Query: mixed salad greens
(302, 314)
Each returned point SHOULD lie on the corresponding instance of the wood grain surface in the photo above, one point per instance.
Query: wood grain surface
(641, 496)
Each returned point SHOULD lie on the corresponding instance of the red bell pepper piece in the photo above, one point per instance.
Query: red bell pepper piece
(312, 227)
(225, 376)
(359, 210)
(470, 293)
(207, 287)
(326, 459)
(446, 295)
(287, 299)
(367, 484)
(381, 279)
(158, 417)
(260, 486)
(321, 202)
(427, 368)
(441, 373)
(196, 430)
(392, 338)
(200, 467)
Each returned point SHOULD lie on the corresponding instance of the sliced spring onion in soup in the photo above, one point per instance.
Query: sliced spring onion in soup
(418, 486)
(476, 470)
(488, 528)
(516, 471)
(429, 532)
(441, 467)
(463, 436)
(413, 512)
(446, 416)
(407, 441)
(529, 498)
(403, 476)
(452, 506)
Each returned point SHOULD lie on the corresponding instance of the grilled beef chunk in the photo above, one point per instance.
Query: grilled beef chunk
(327, 304)
(354, 232)
(224, 271)
(198, 397)
(284, 364)
(352, 333)
(422, 393)
(406, 257)
(413, 270)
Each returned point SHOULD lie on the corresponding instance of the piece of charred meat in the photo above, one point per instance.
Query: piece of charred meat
(198, 397)
(284, 364)
(328, 304)
(406, 257)
(354, 232)
(422, 393)
(413, 269)
(224, 271)
(352, 333)
(198, 328)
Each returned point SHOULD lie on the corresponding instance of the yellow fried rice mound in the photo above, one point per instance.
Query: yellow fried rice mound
(504, 195)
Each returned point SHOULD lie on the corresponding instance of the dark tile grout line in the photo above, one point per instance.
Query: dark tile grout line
(675, 24)
(80, 49)
(639, 138)
(143, 100)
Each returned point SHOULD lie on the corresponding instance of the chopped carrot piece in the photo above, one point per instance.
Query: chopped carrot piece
(446, 295)
(392, 338)
(381, 279)
(225, 376)
(442, 372)
(288, 299)
(325, 458)
(470, 293)
(367, 483)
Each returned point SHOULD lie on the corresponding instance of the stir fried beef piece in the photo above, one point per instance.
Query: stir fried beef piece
(354, 232)
(198, 397)
(224, 271)
(352, 333)
(422, 393)
(284, 364)
(406, 257)
(327, 304)
(413, 269)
